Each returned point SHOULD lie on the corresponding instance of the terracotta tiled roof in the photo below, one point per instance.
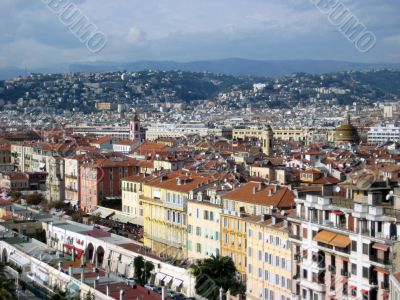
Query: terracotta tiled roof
(255, 192)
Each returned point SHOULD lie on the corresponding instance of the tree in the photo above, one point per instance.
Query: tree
(95, 218)
(77, 215)
(15, 195)
(138, 263)
(148, 267)
(59, 295)
(56, 204)
(213, 273)
(35, 199)
(7, 286)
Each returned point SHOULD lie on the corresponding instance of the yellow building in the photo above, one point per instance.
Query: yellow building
(298, 134)
(269, 271)
(132, 188)
(204, 228)
(164, 201)
(253, 198)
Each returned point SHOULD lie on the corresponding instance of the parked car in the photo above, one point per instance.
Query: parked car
(150, 286)
(131, 281)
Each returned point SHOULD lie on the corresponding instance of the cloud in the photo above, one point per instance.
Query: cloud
(192, 29)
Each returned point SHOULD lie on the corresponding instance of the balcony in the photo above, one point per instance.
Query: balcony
(385, 285)
(344, 273)
(332, 269)
(295, 236)
(73, 176)
(70, 188)
(379, 260)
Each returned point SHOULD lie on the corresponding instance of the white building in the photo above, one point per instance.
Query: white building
(379, 134)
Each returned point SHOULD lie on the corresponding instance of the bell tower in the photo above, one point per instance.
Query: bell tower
(134, 128)
(266, 140)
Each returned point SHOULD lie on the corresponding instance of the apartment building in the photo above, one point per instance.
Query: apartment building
(380, 135)
(72, 179)
(204, 227)
(132, 189)
(253, 198)
(269, 267)
(164, 203)
(101, 179)
(344, 248)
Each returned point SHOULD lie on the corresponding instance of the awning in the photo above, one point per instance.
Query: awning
(177, 282)
(382, 271)
(19, 260)
(345, 259)
(121, 218)
(337, 212)
(341, 241)
(167, 279)
(103, 212)
(324, 236)
(364, 291)
(353, 287)
(343, 281)
(382, 247)
(160, 276)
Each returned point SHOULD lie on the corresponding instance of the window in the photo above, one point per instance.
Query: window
(354, 269)
(260, 274)
(260, 235)
(250, 269)
(250, 232)
(190, 229)
(198, 231)
(354, 246)
(365, 248)
(198, 248)
(365, 272)
(250, 250)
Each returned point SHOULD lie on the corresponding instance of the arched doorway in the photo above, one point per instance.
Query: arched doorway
(100, 255)
(4, 256)
(89, 251)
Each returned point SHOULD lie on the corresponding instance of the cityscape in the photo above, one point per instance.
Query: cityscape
(147, 162)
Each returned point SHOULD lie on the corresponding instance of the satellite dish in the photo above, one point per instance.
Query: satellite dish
(337, 189)
(391, 193)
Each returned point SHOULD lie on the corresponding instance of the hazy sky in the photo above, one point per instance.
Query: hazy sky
(31, 35)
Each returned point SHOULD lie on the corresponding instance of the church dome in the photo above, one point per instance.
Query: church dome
(346, 132)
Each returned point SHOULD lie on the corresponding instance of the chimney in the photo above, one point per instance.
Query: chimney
(270, 192)
(121, 294)
(70, 270)
(254, 190)
(107, 290)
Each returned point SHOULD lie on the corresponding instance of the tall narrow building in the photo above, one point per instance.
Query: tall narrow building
(134, 128)
(266, 140)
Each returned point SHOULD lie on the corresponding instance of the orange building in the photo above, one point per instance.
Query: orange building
(102, 178)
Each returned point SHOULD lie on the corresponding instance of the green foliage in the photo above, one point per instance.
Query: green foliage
(15, 267)
(138, 264)
(56, 204)
(216, 272)
(78, 215)
(142, 269)
(148, 267)
(35, 199)
(7, 286)
(95, 218)
(15, 195)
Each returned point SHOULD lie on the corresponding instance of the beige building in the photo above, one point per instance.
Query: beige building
(269, 270)
(164, 203)
(204, 228)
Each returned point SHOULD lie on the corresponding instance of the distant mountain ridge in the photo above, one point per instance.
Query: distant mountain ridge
(239, 66)
(229, 66)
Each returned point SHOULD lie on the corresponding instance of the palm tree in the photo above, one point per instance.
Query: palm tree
(7, 286)
(213, 273)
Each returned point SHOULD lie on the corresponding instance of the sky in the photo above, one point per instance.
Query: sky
(32, 35)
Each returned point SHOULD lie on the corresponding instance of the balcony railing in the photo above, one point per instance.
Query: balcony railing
(70, 188)
(74, 176)
(380, 260)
